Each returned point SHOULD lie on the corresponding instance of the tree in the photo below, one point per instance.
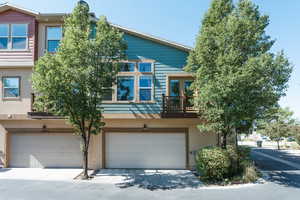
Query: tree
(237, 78)
(278, 123)
(71, 82)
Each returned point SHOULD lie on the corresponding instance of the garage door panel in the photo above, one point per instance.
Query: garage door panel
(145, 150)
(42, 150)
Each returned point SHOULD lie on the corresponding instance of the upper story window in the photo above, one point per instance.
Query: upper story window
(145, 88)
(145, 67)
(11, 87)
(127, 67)
(125, 88)
(134, 83)
(13, 36)
(54, 35)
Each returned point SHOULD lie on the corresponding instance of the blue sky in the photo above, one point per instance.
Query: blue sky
(179, 21)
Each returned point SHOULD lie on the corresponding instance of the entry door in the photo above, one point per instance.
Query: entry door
(179, 93)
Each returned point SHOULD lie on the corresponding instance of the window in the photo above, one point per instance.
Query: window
(4, 35)
(11, 87)
(54, 35)
(19, 36)
(145, 67)
(107, 93)
(187, 88)
(134, 83)
(145, 88)
(125, 88)
(13, 36)
(174, 88)
(127, 67)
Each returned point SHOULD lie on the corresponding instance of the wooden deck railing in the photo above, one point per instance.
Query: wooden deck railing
(39, 113)
(178, 106)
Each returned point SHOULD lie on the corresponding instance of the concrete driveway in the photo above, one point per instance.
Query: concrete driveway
(148, 179)
(39, 174)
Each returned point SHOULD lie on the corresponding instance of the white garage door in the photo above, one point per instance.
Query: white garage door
(145, 150)
(40, 150)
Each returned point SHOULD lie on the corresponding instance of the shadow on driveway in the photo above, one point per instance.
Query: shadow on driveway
(4, 169)
(149, 179)
(278, 172)
(285, 178)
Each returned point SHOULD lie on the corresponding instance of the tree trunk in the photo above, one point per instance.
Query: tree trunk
(218, 139)
(85, 164)
(223, 140)
(278, 146)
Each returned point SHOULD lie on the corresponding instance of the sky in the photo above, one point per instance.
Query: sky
(180, 20)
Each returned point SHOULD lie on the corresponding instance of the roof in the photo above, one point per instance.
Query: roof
(49, 16)
(9, 6)
(153, 38)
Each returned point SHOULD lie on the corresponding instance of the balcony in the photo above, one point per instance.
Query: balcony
(40, 114)
(178, 107)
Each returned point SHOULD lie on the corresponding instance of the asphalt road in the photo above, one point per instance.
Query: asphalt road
(283, 184)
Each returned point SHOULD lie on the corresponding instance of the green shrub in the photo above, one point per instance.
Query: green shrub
(244, 152)
(216, 164)
(212, 163)
(234, 158)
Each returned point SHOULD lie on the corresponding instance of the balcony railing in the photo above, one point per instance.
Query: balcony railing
(35, 113)
(177, 107)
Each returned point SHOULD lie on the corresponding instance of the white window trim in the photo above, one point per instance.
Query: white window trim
(10, 37)
(19, 88)
(149, 88)
(46, 35)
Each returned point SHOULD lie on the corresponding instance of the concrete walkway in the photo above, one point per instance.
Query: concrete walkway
(39, 174)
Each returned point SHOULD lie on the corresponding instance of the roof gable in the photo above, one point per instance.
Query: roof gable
(8, 6)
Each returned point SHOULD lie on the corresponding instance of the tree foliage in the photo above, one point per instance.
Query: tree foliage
(71, 82)
(237, 78)
(278, 123)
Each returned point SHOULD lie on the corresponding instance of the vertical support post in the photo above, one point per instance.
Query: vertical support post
(32, 102)
(163, 104)
(184, 104)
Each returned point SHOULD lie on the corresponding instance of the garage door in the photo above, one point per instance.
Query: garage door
(40, 150)
(145, 150)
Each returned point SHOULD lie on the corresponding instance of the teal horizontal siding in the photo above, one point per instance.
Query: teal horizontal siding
(168, 60)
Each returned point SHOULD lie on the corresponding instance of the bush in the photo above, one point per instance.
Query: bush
(216, 164)
(212, 163)
(250, 174)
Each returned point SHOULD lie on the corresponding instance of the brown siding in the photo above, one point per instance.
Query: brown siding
(9, 58)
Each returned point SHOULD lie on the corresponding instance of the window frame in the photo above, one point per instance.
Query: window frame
(136, 74)
(3, 88)
(152, 66)
(10, 37)
(46, 35)
(134, 89)
(151, 88)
